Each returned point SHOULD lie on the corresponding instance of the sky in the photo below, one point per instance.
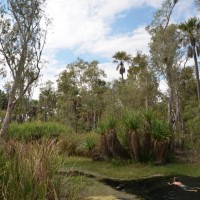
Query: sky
(96, 29)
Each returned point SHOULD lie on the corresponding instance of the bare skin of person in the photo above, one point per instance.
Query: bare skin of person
(176, 182)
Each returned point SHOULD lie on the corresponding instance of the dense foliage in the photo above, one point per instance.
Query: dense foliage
(83, 97)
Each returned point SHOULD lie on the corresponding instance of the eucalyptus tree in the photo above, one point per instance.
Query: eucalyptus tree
(187, 86)
(47, 101)
(22, 39)
(93, 95)
(67, 90)
(145, 78)
(80, 90)
(71, 85)
(191, 30)
(167, 57)
(121, 57)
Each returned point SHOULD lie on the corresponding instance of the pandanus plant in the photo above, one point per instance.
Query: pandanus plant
(157, 136)
(108, 136)
(109, 143)
(160, 142)
(88, 145)
(148, 118)
(132, 124)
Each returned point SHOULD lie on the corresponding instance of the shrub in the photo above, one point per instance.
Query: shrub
(87, 145)
(28, 171)
(75, 144)
(160, 130)
(101, 128)
(149, 115)
(110, 123)
(132, 120)
(35, 130)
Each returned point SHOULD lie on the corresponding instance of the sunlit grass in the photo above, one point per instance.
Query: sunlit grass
(35, 130)
(125, 170)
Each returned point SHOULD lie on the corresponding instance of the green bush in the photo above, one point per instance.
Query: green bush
(35, 130)
(192, 140)
(110, 123)
(88, 144)
(76, 144)
(149, 115)
(105, 125)
(193, 125)
(101, 128)
(160, 130)
(132, 120)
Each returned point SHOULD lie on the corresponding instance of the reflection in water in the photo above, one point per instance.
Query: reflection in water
(156, 188)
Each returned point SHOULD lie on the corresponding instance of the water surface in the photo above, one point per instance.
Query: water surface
(156, 188)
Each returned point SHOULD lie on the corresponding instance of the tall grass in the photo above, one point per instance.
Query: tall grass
(35, 130)
(28, 171)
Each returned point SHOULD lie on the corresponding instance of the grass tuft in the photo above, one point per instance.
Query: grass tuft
(28, 171)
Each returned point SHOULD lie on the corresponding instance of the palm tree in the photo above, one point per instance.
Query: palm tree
(132, 124)
(121, 57)
(191, 29)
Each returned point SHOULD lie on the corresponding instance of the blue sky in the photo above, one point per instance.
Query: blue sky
(123, 24)
(96, 29)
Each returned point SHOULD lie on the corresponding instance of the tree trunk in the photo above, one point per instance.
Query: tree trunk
(160, 151)
(146, 146)
(104, 147)
(7, 119)
(134, 144)
(94, 120)
(171, 118)
(174, 107)
(180, 123)
(197, 72)
(122, 76)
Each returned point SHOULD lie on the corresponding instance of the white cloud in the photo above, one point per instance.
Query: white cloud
(76, 22)
(86, 25)
(184, 10)
(130, 42)
(110, 70)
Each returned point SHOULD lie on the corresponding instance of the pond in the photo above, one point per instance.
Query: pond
(156, 188)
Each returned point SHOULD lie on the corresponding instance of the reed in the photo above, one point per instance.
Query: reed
(28, 171)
